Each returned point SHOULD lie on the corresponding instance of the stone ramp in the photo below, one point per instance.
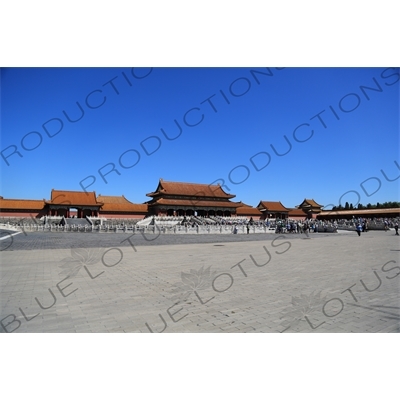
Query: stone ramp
(77, 221)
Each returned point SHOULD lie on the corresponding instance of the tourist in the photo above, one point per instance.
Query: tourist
(248, 228)
(396, 228)
(359, 229)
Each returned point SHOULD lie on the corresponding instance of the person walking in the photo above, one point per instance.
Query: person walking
(396, 228)
(359, 229)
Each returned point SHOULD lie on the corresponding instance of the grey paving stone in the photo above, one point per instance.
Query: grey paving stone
(295, 279)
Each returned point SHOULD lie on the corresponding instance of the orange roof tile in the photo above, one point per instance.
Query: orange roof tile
(368, 211)
(245, 209)
(297, 212)
(272, 206)
(189, 189)
(192, 203)
(310, 202)
(73, 198)
(120, 204)
(17, 204)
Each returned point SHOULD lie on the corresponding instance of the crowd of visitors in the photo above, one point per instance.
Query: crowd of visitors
(243, 224)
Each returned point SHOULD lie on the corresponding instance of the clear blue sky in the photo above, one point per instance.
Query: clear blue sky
(335, 160)
(177, 33)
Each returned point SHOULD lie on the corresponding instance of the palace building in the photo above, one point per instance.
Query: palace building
(365, 213)
(297, 214)
(65, 203)
(120, 207)
(310, 207)
(246, 211)
(22, 208)
(178, 198)
(173, 199)
(273, 209)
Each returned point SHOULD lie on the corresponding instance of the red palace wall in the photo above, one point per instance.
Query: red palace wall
(21, 213)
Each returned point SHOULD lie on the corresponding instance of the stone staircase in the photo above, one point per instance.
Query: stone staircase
(77, 221)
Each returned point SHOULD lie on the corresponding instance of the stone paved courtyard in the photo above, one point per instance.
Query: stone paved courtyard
(77, 282)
